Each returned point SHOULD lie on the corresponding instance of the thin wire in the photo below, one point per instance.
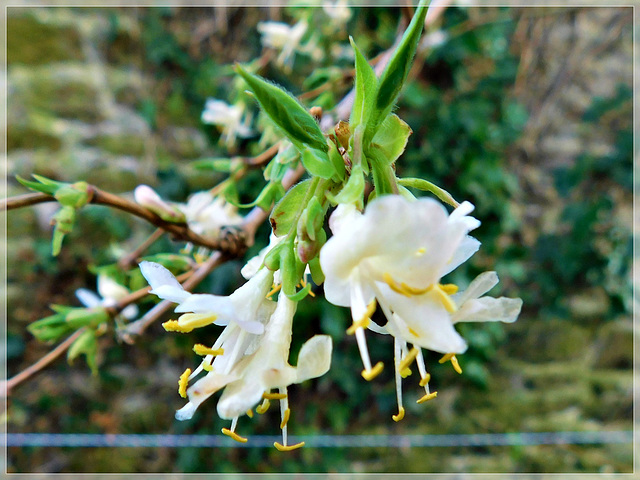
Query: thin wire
(319, 441)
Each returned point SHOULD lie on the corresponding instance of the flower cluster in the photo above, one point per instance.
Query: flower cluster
(249, 360)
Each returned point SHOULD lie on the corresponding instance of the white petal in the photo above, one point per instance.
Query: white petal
(109, 288)
(186, 412)
(170, 293)
(467, 247)
(158, 276)
(314, 359)
(130, 312)
(478, 287)
(207, 303)
(88, 298)
(489, 309)
(239, 397)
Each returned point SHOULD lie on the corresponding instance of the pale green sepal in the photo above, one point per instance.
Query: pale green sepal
(285, 212)
(426, 186)
(317, 162)
(353, 190)
(391, 138)
(316, 271)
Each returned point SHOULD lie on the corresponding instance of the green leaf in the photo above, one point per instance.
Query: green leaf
(423, 185)
(86, 344)
(366, 86)
(391, 138)
(38, 187)
(222, 165)
(285, 212)
(270, 194)
(285, 111)
(396, 71)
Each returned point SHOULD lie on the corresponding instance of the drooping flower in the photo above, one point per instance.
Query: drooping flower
(206, 214)
(201, 309)
(396, 254)
(233, 120)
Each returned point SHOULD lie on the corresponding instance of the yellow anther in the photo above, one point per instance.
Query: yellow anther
(449, 288)
(285, 420)
(196, 320)
(274, 290)
(413, 332)
(421, 251)
(234, 435)
(408, 359)
(250, 413)
(288, 448)
(174, 326)
(446, 357)
(274, 396)
(399, 416)
(428, 396)
(206, 366)
(369, 375)
(405, 373)
(426, 379)
(362, 323)
(454, 361)
(311, 294)
(444, 297)
(263, 407)
(182, 383)
(204, 350)
(455, 364)
(403, 288)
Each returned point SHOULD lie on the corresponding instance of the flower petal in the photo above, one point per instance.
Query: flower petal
(88, 298)
(314, 359)
(163, 283)
(489, 309)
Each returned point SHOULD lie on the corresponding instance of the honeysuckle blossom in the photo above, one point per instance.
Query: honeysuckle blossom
(147, 197)
(206, 214)
(110, 292)
(200, 309)
(233, 120)
(396, 254)
(338, 11)
(283, 37)
(254, 264)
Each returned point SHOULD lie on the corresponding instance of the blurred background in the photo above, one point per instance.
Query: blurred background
(526, 112)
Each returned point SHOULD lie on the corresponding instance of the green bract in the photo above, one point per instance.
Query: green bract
(286, 211)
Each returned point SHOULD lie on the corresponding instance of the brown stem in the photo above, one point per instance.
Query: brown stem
(7, 385)
(130, 260)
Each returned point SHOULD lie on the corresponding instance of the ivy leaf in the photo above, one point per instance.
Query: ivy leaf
(285, 111)
(285, 212)
(365, 89)
(396, 71)
(391, 138)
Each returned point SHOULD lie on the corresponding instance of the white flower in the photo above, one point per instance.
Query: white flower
(253, 264)
(396, 253)
(110, 293)
(147, 197)
(283, 37)
(338, 11)
(231, 118)
(241, 307)
(206, 214)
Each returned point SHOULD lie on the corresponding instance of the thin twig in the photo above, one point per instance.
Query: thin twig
(130, 259)
(7, 385)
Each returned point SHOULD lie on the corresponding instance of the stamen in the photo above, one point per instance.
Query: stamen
(288, 448)
(250, 413)
(413, 332)
(362, 323)
(403, 288)
(274, 396)
(425, 380)
(421, 251)
(372, 373)
(204, 350)
(399, 416)
(263, 407)
(454, 361)
(196, 320)
(449, 288)
(206, 366)
(426, 397)
(174, 326)
(406, 361)
(446, 357)
(182, 383)
(234, 435)
(274, 290)
(397, 354)
(449, 304)
(285, 420)
(312, 294)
